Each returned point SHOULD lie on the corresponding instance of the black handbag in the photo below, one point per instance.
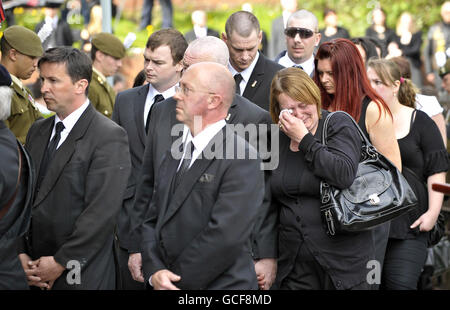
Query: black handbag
(378, 194)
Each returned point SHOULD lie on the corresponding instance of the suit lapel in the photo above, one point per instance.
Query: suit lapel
(42, 139)
(192, 175)
(255, 79)
(139, 104)
(64, 153)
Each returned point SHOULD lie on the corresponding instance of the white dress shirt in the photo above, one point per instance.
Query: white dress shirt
(200, 32)
(201, 140)
(308, 66)
(245, 74)
(152, 92)
(68, 122)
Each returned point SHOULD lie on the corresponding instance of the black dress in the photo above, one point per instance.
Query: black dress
(423, 152)
(296, 191)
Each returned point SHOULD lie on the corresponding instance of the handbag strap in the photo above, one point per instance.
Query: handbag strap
(368, 149)
(8, 205)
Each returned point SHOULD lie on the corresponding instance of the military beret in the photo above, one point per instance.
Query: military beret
(444, 69)
(24, 41)
(5, 77)
(109, 44)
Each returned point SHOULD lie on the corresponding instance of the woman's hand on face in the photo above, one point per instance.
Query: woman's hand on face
(293, 127)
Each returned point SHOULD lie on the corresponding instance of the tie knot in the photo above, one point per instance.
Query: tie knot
(59, 127)
(158, 98)
(298, 66)
(188, 150)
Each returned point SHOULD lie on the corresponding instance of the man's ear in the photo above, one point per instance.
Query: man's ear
(224, 37)
(81, 86)
(214, 101)
(12, 54)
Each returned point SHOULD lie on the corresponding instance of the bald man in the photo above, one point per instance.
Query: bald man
(207, 197)
(160, 139)
(302, 36)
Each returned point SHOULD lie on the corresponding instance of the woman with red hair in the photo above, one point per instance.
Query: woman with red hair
(342, 79)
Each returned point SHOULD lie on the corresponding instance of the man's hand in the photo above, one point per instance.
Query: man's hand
(135, 266)
(266, 271)
(162, 280)
(30, 268)
(48, 269)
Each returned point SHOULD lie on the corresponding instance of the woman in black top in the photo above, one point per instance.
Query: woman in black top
(425, 161)
(378, 29)
(308, 257)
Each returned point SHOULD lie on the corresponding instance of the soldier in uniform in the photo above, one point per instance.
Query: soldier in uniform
(107, 53)
(21, 49)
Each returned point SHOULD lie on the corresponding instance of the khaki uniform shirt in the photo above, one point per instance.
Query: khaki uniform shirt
(23, 110)
(101, 94)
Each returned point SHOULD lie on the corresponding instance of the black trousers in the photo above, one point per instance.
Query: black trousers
(403, 263)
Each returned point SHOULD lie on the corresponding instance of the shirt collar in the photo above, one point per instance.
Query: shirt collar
(308, 65)
(201, 140)
(247, 72)
(152, 92)
(17, 81)
(73, 117)
(99, 74)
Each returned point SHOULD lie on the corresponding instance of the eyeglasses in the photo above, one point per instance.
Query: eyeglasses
(303, 32)
(185, 90)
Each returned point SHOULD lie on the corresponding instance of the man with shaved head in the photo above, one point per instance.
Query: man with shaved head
(252, 71)
(196, 233)
(160, 138)
(302, 36)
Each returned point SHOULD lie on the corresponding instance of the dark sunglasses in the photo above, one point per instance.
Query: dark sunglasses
(303, 32)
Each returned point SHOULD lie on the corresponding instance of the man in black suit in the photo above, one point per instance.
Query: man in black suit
(302, 37)
(16, 186)
(200, 29)
(252, 71)
(162, 65)
(83, 163)
(196, 233)
(160, 139)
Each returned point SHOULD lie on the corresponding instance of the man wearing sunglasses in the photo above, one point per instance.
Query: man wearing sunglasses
(302, 36)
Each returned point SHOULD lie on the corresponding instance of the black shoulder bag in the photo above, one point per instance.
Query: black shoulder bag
(378, 194)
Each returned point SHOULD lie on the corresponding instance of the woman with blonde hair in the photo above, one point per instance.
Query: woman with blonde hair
(425, 161)
(308, 257)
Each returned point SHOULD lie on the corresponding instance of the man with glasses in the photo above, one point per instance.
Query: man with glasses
(302, 36)
(252, 71)
(206, 198)
(162, 66)
(162, 136)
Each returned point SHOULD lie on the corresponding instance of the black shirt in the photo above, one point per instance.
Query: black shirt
(422, 151)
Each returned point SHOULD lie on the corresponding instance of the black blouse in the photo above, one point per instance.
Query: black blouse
(422, 151)
(296, 190)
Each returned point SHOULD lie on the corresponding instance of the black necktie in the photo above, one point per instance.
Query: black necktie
(50, 152)
(189, 150)
(298, 66)
(238, 79)
(157, 99)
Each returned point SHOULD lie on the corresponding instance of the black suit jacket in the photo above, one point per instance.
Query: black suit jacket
(258, 86)
(129, 113)
(201, 230)
(162, 134)
(75, 210)
(190, 35)
(16, 219)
